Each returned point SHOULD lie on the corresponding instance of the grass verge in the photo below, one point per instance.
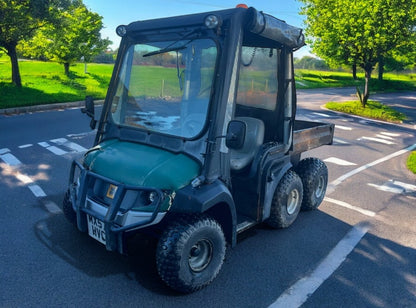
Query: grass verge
(373, 110)
(46, 83)
(411, 162)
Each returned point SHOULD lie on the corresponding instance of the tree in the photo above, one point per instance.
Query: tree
(19, 20)
(77, 37)
(360, 32)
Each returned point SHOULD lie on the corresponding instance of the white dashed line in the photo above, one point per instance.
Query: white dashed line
(340, 141)
(390, 134)
(339, 162)
(24, 146)
(299, 293)
(395, 187)
(351, 207)
(4, 151)
(71, 145)
(342, 127)
(10, 159)
(55, 150)
(37, 191)
(342, 178)
(376, 140)
(322, 114)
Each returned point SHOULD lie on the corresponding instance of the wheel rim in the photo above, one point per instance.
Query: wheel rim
(320, 187)
(292, 201)
(200, 255)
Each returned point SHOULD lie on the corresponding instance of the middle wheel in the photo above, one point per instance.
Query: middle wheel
(287, 201)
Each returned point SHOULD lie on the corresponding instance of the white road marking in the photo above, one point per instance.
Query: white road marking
(376, 140)
(342, 178)
(337, 140)
(297, 294)
(23, 178)
(55, 150)
(396, 187)
(37, 191)
(10, 159)
(390, 134)
(44, 144)
(343, 127)
(322, 114)
(24, 146)
(384, 137)
(72, 145)
(51, 207)
(339, 162)
(4, 151)
(351, 207)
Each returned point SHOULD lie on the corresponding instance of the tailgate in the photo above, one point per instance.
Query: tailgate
(309, 135)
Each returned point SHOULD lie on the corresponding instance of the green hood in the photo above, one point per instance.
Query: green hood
(141, 165)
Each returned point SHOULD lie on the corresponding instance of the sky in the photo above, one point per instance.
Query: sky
(119, 12)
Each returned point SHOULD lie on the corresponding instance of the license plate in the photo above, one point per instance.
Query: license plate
(96, 229)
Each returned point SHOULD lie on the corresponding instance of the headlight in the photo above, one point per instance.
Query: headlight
(212, 21)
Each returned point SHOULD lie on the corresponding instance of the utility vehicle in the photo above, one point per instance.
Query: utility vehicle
(197, 141)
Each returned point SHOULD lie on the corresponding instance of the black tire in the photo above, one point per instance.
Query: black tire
(314, 175)
(69, 212)
(190, 253)
(286, 201)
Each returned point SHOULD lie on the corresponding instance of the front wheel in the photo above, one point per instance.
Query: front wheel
(190, 253)
(69, 212)
(286, 201)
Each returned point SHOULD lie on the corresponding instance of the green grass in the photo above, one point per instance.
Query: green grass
(45, 82)
(411, 162)
(373, 110)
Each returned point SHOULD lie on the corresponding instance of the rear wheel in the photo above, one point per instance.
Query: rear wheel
(314, 175)
(286, 201)
(190, 253)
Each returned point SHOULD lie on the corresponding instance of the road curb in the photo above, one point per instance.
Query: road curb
(46, 107)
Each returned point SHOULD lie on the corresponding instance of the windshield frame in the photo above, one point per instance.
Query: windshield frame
(181, 40)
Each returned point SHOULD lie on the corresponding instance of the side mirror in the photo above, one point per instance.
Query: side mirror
(90, 110)
(236, 134)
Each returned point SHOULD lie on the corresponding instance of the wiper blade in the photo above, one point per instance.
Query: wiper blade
(164, 50)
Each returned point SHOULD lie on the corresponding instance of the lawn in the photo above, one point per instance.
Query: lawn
(411, 162)
(45, 82)
(373, 110)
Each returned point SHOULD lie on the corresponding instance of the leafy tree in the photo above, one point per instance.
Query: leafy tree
(77, 37)
(359, 32)
(19, 20)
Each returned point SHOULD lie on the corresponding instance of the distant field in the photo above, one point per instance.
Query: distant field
(45, 82)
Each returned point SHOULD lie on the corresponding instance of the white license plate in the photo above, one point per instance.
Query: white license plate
(96, 229)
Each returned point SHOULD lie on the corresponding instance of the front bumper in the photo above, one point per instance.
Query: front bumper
(113, 209)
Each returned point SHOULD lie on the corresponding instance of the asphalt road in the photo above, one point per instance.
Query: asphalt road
(357, 250)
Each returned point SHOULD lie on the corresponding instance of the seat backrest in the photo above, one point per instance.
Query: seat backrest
(241, 158)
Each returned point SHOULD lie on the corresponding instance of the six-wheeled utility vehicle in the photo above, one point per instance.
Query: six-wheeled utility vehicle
(198, 141)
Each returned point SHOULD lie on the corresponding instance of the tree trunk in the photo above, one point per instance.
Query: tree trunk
(368, 69)
(66, 67)
(354, 71)
(380, 68)
(16, 79)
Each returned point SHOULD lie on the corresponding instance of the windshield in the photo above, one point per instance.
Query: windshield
(165, 86)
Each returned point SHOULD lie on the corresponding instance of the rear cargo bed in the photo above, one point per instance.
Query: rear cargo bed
(309, 135)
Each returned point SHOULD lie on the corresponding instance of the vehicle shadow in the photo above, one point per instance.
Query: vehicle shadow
(91, 257)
